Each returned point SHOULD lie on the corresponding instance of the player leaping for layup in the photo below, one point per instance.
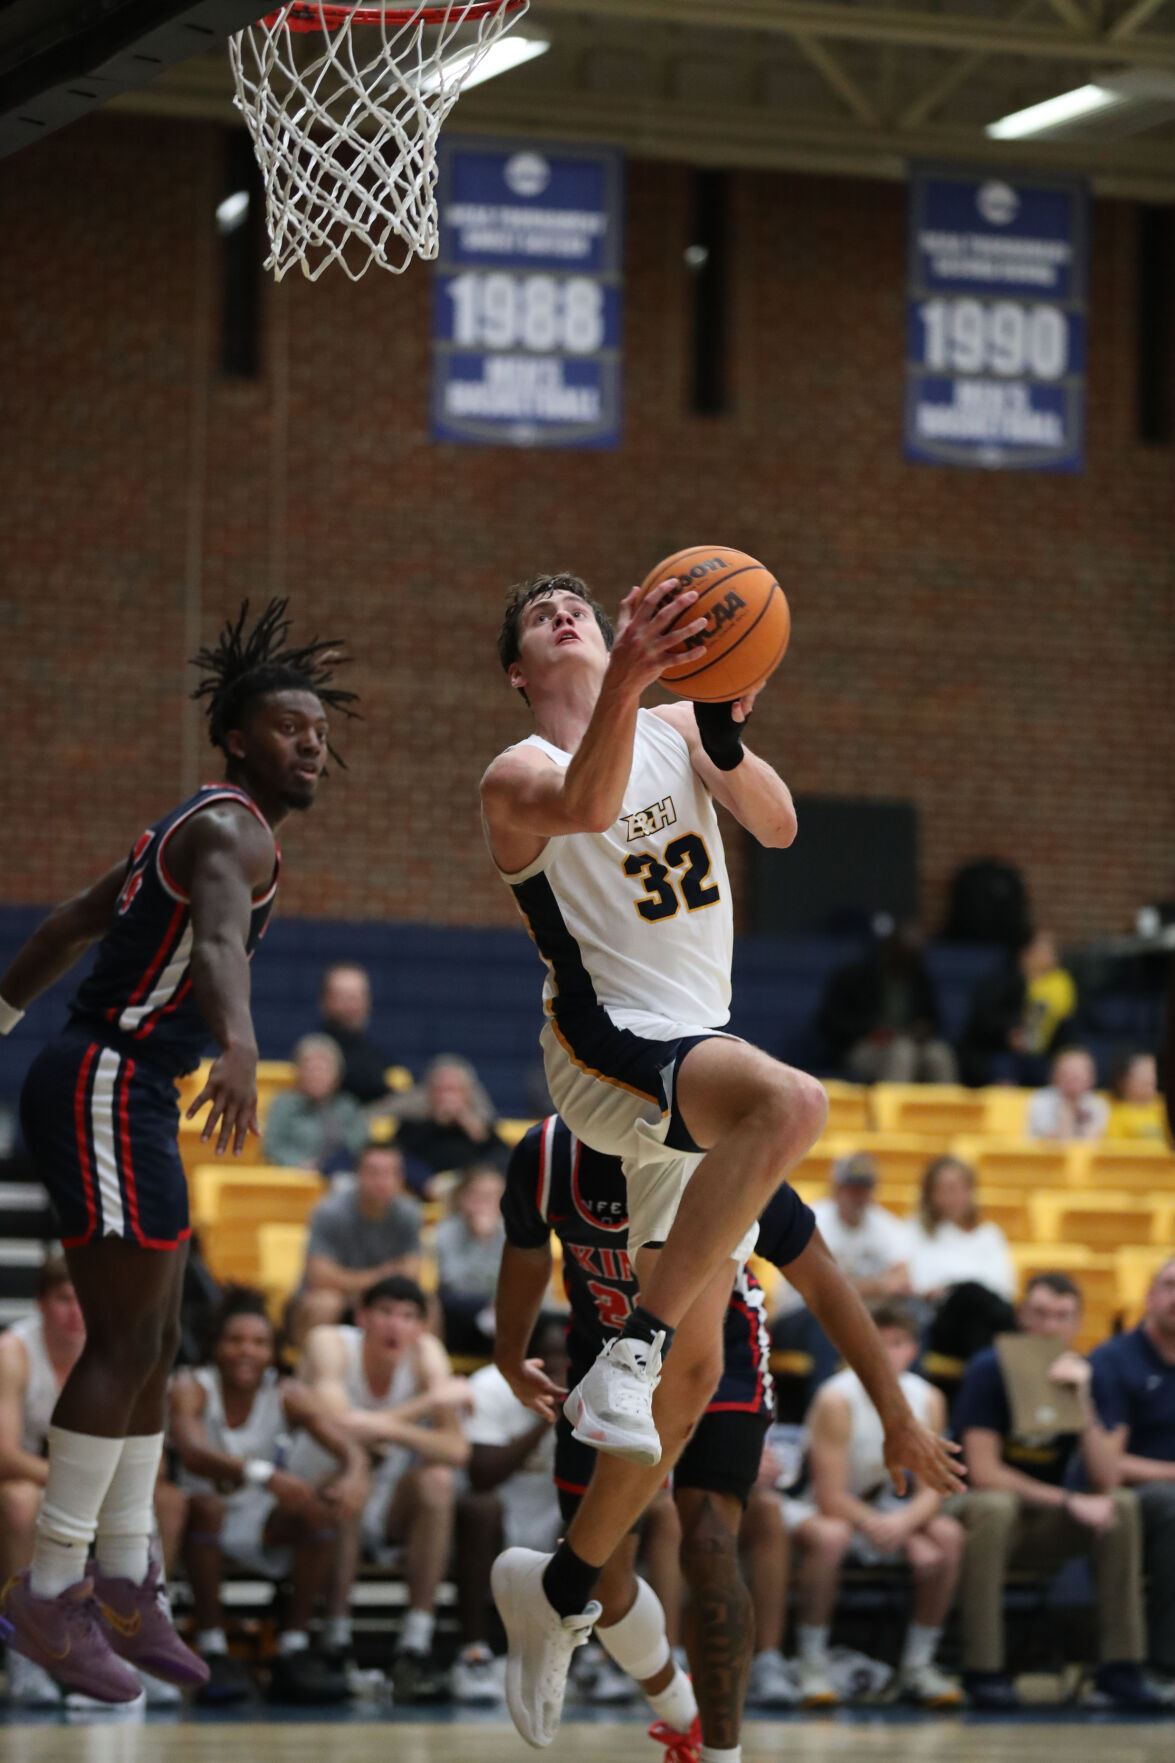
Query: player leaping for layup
(602, 824)
(178, 921)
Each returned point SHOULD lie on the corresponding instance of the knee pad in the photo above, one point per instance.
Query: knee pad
(637, 1642)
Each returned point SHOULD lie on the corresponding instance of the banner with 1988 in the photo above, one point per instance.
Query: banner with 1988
(527, 294)
(996, 320)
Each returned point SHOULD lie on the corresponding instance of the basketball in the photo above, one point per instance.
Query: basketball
(748, 622)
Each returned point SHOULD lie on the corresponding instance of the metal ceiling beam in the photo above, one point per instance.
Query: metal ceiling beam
(934, 95)
(836, 76)
(835, 20)
(1133, 17)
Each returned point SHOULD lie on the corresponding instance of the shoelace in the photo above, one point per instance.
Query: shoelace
(578, 1629)
(679, 1747)
(626, 1396)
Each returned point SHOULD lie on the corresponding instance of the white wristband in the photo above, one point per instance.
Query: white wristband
(9, 1016)
(258, 1473)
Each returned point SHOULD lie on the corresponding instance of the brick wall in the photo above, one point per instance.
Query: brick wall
(997, 648)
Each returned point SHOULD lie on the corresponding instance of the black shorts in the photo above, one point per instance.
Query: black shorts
(101, 1128)
(723, 1455)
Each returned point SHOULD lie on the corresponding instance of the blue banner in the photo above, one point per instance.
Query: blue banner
(528, 295)
(996, 320)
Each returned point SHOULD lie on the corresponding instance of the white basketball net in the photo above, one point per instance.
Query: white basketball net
(345, 104)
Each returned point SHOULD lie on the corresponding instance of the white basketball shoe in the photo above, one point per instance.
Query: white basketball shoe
(612, 1408)
(540, 1641)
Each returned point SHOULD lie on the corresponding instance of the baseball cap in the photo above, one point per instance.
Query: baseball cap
(859, 1170)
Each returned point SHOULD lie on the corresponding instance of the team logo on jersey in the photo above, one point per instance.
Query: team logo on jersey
(651, 820)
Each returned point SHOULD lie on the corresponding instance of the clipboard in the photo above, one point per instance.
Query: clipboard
(1040, 1407)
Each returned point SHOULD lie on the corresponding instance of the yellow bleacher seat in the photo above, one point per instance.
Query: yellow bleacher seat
(1006, 1108)
(1101, 1222)
(281, 1255)
(231, 1251)
(398, 1079)
(901, 1157)
(194, 1151)
(1139, 1169)
(1136, 1267)
(848, 1106)
(1009, 1208)
(901, 1197)
(267, 1194)
(941, 1111)
(1025, 1164)
(510, 1131)
(813, 1176)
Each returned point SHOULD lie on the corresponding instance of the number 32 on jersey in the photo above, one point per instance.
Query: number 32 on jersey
(687, 855)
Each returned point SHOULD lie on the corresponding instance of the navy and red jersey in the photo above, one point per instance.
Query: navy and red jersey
(556, 1183)
(138, 997)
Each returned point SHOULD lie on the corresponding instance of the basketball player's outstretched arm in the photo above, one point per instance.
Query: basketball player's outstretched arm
(523, 1278)
(910, 1447)
(221, 858)
(61, 939)
(752, 790)
(523, 793)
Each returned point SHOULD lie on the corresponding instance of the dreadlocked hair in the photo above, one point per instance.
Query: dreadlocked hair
(240, 667)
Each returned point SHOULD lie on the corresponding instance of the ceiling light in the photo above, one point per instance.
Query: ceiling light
(231, 213)
(503, 56)
(1136, 99)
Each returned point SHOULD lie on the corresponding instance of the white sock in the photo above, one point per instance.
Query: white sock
(711, 1754)
(676, 1704)
(81, 1468)
(336, 1633)
(921, 1646)
(292, 1640)
(211, 1640)
(813, 1643)
(127, 1515)
(417, 1631)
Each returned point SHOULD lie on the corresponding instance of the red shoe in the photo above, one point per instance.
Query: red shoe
(679, 1747)
(137, 1624)
(66, 1638)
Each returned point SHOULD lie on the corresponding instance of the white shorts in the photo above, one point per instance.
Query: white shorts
(635, 1119)
(861, 1551)
(373, 1525)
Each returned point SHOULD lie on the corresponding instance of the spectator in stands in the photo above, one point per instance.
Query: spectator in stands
(388, 1382)
(345, 1006)
(469, 1252)
(949, 1243)
(1068, 1108)
(315, 1126)
(1136, 1107)
(880, 1016)
(37, 1354)
(258, 1500)
(1020, 1510)
(1134, 1389)
(512, 1501)
(1019, 1016)
(854, 1513)
(870, 1245)
(447, 1123)
(358, 1235)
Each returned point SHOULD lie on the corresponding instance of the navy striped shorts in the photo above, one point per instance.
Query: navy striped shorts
(101, 1129)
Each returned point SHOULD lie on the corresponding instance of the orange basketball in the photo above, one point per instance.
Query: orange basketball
(747, 622)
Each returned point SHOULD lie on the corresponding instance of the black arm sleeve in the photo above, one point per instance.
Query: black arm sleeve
(785, 1228)
(526, 1228)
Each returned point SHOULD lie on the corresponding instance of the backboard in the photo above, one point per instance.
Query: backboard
(62, 58)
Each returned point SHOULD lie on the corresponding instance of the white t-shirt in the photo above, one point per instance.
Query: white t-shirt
(869, 1249)
(952, 1256)
(530, 1505)
(1051, 1117)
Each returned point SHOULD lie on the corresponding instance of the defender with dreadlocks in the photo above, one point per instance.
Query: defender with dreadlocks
(176, 924)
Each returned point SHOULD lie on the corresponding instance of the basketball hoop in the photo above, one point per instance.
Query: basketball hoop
(344, 105)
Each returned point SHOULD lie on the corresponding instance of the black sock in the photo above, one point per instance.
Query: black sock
(569, 1582)
(642, 1325)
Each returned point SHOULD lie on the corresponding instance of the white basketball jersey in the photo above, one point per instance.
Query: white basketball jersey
(404, 1385)
(636, 921)
(42, 1388)
(867, 1472)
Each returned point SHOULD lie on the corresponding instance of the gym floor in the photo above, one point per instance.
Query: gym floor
(1068, 1736)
